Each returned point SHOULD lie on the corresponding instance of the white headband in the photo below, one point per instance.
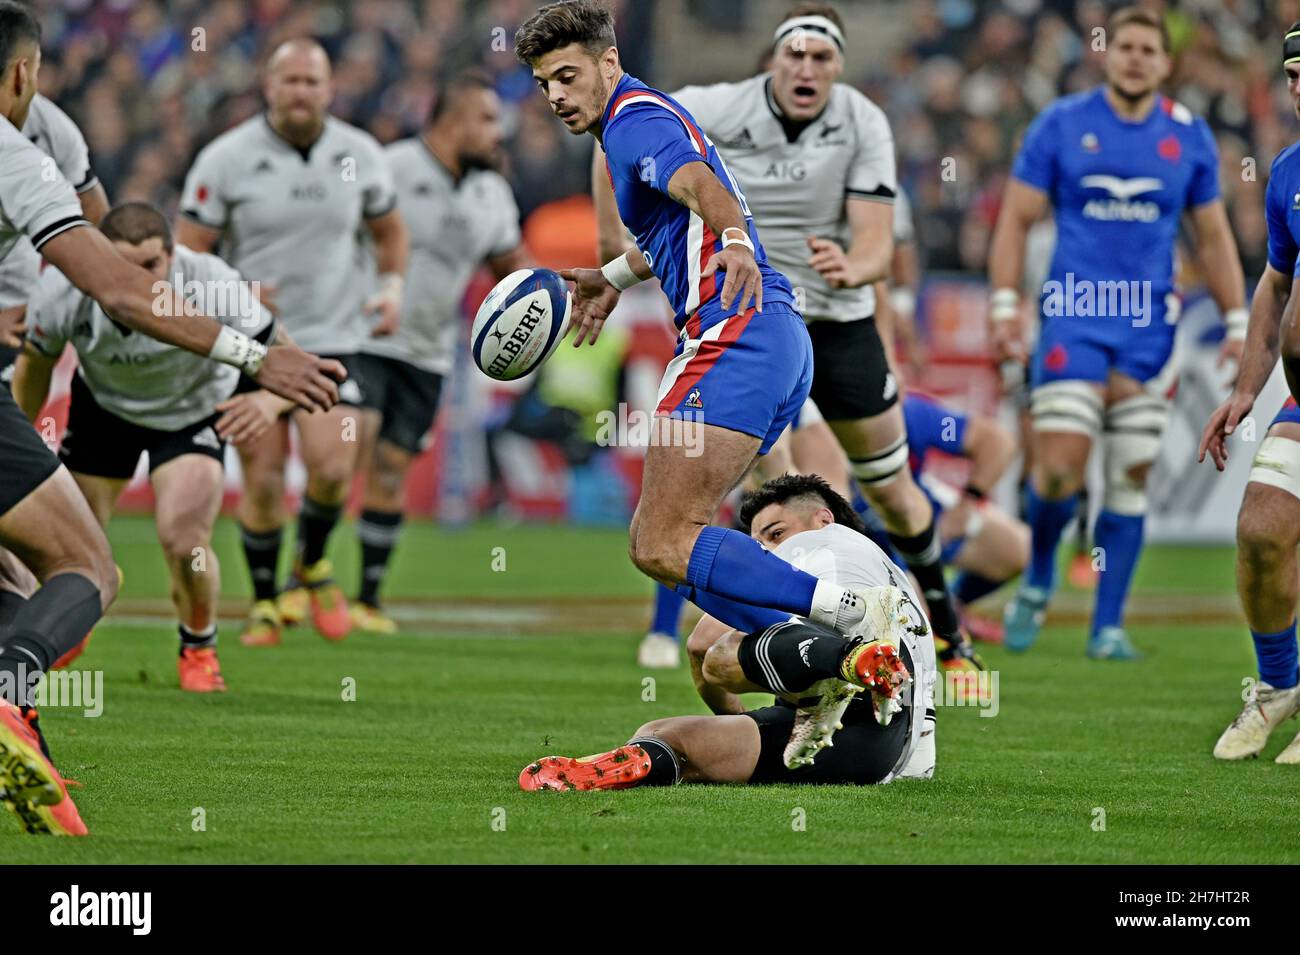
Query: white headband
(797, 25)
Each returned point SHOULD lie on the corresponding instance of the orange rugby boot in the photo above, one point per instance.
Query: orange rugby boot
(199, 670)
(30, 787)
(617, 769)
(329, 608)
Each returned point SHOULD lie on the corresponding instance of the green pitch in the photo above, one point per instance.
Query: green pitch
(505, 658)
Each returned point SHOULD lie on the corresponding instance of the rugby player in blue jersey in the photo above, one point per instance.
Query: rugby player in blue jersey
(1268, 526)
(1117, 166)
(743, 366)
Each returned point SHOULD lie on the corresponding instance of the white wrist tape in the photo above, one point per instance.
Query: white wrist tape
(618, 273)
(1004, 305)
(735, 236)
(236, 348)
(389, 287)
(1237, 319)
(903, 301)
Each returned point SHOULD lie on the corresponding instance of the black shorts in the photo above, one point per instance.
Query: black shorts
(355, 391)
(99, 443)
(851, 377)
(25, 462)
(864, 752)
(406, 396)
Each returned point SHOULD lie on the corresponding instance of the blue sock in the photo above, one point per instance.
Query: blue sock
(1119, 537)
(733, 565)
(1277, 656)
(668, 611)
(743, 617)
(970, 587)
(1047, 519)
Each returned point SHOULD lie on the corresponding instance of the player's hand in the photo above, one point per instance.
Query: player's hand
(1008, 345)
(246, 417)
(744, 279)
(387, 304)
(1222, 423)
(305, 379)
(831, 262)
(13, 325)
(1231, 351)
(593, 300)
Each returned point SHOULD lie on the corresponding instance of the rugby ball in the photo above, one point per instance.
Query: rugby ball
(520, 323)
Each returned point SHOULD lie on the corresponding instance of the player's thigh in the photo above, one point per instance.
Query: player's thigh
(685, 482)
(999, 549)
(53, 530)
(862, 437)
(329, 440)
(187, 494)
(15, 577)
(717, 749)
(817, 451)
(1269, 519)
(263, 459)
(101, 493)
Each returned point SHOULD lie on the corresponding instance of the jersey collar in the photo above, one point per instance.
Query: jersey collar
(1160, 105)
(624, 82)
(305, 153)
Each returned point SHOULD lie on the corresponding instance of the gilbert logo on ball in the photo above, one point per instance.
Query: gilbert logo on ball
(520, 323)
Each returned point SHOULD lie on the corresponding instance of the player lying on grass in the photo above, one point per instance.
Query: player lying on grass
(133, 395)
(1268, 526)
(821, 728)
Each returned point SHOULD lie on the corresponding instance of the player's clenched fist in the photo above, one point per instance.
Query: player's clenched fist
(593, 300)
(305, 379)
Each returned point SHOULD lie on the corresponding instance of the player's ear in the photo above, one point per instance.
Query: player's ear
(609, 62)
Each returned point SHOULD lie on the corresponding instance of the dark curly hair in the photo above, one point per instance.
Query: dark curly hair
(788, 487)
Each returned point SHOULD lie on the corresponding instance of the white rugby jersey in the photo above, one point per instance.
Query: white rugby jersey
(36, 201)
(293, 219)
(454, 226)
(54, 134)
(138, 378)
(842, 556)
(797, 189)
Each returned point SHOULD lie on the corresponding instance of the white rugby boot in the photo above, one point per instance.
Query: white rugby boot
(658, 651)
(1265, 708)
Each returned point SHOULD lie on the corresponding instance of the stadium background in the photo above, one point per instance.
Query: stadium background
(150, 83)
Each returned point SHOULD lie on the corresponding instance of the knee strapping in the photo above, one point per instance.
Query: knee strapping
(884, 466)
(1131, 441)
(1071, 406)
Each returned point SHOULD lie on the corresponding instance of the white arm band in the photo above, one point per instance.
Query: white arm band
(618, 273)
(1004, 305)
(236, 348)
(1237, 319)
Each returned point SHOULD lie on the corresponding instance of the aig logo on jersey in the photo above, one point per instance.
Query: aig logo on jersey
(1121, 206)
(793, 171)
(310, 191)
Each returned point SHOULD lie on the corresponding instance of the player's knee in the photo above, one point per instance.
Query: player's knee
(184, 545)
(658, 557)
(699, 642)
(264, 489)
(653, 728)
(1131, 443)
(1260, 539)
(720, 665)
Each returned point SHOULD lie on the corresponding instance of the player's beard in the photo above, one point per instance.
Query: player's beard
(479, 161)
(1131, 98)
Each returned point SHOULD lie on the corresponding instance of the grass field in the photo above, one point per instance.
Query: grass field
(497, 667)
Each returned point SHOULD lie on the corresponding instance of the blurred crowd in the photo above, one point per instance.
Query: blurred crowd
(151, 82)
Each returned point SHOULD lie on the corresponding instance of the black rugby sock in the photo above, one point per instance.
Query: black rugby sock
(262, 554)
(315, 521)
(790, 657)
(665, 765)
(378, 532)
(53, 621)
(922, 554)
